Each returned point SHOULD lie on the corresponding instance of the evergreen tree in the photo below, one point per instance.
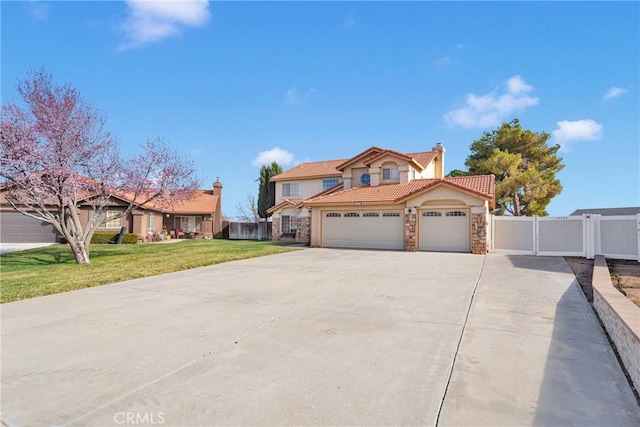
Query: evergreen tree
(524, 165)
(267, 189)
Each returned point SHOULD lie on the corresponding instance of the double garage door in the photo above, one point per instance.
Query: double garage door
(363, 229)
(444, 230)
(18, 228)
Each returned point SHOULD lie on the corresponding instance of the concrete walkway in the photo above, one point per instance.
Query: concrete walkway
(318, 337)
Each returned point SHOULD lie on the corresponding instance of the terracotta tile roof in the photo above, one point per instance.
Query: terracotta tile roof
(365, 155)
(286, 202)
(282, 204)
(322, 169)
(203, 202)
(480, 185)
(424, 157)
(333, 168)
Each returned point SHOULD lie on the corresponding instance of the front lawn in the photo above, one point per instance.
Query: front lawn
(52, 269)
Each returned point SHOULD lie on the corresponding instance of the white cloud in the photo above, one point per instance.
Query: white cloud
(349, 22)
(38, 11)
(292, 96)
(152, 21)
(614, 92)
(493, 108)
(577, 130)
(282, 157)
(442, 61)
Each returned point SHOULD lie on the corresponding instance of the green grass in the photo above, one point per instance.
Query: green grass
(52, 269)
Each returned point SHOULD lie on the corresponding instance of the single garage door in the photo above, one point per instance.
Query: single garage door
(363, 229)
(18, 228)
(444, 230)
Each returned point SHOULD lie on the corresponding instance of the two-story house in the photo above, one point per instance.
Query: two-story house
(383, 199)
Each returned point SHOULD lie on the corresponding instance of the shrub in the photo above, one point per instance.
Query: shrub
(103, 238)
(130, 239)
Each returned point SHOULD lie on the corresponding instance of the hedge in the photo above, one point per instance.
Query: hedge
(128, 239)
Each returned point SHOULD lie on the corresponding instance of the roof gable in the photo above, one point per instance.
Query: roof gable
(324, 169)
(364, 156)
(394, 154)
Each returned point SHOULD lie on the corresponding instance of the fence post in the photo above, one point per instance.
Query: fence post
(597, 235)
(590, 235)
(493, 234)
(536, 235)
(638, 235)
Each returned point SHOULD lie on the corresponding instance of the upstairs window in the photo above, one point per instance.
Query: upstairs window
(390, 174)
(330, 182)
(365, 179)
(291, 189)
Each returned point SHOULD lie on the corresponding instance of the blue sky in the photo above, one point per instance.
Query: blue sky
(232, 83)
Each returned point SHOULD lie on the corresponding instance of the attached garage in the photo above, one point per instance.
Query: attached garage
(444, 230)
(18, 228)
(367, 229)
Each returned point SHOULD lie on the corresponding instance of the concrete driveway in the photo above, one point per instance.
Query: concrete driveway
(318, 337)
(6, 248)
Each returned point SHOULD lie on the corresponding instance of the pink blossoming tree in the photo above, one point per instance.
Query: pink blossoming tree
(57, 158)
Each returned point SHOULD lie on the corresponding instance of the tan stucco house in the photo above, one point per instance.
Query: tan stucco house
(200, 217)
(383, 199)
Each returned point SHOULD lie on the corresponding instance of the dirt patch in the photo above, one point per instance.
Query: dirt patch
(625, 276)
(583, 270)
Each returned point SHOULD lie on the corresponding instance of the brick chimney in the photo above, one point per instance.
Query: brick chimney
(217, 188)
(440, 161)
(217, 216)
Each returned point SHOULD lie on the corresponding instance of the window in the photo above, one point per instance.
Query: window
(291, 189)
(333, 215)
(390, 174)
(365, 179)
(114, 223)
(456, 213)
(388, 214)
(330, 182)
(189, 224)
(286, 223)
(431, 213)
(151, 220)
(352, 215)
(370, 214)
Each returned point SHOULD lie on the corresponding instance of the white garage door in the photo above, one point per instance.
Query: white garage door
(444, 230)
(363, 229)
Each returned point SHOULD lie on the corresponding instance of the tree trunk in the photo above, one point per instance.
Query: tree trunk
(80, 251)
(516, 204)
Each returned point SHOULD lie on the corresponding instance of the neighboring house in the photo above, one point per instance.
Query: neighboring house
(383, 199)
(199, 217)
(607, 211)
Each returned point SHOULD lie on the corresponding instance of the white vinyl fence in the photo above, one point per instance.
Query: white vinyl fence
(586, 235)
